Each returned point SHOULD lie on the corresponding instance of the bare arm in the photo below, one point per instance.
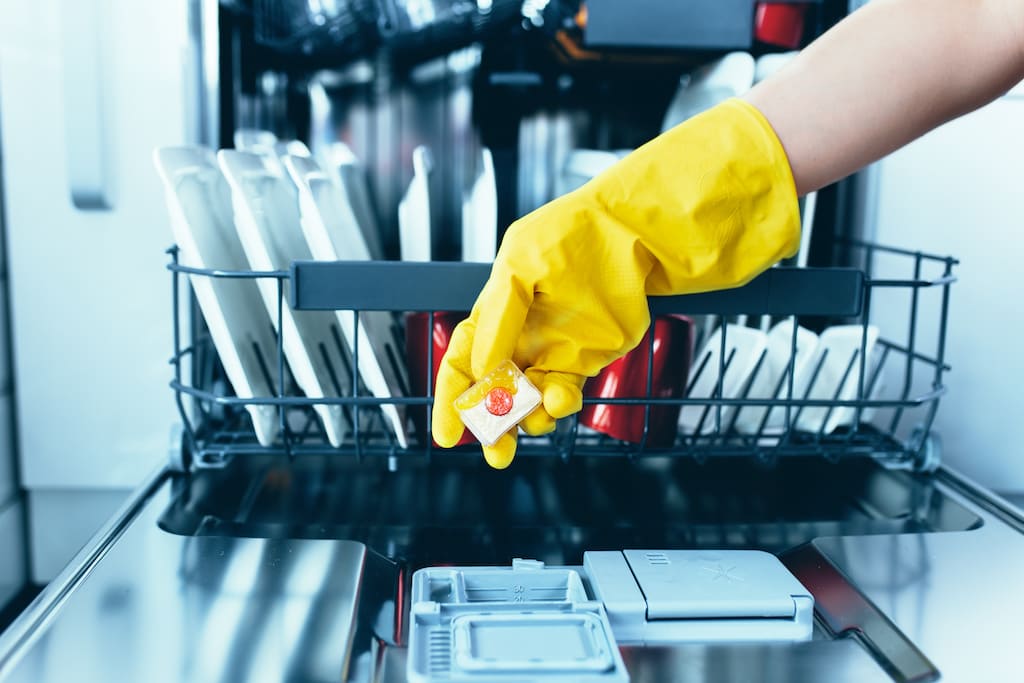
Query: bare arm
(886, 75)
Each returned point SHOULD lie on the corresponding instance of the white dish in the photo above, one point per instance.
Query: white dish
(770, 63)
(254, 140)
(295, 148)
(414, 210)
(332, 233)
(581, 165)
(709, 85)
(268, 223)
(199, 204)
(774, 370)
(350, 174)
(480, 215)
(743, 348)
(841, 343)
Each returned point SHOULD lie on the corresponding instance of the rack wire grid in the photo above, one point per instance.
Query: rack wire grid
(889, 417)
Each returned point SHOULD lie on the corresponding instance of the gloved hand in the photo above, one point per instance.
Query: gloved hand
(707, 205)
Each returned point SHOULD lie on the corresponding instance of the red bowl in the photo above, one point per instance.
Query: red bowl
(627, 378)
(778, 23)
(417, 344)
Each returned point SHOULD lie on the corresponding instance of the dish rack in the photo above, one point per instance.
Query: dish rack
(911, 365)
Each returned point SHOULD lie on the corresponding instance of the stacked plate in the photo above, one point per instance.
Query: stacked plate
(260, 207)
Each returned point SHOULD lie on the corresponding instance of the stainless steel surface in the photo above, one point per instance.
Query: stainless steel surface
(142, 604)
(238, 599)
(13, 566)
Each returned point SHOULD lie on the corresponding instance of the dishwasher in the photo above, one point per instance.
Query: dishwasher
(303, 561)
(776, 515)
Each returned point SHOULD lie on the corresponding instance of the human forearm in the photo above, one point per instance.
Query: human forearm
(889, 73)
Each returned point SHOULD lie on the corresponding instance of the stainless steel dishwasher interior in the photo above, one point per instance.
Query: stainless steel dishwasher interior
(457, 510)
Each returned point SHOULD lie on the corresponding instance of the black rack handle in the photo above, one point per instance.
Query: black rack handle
(442, 286)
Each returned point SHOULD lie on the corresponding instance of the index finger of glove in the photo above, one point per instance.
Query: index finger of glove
(500, 313)
(453, 378)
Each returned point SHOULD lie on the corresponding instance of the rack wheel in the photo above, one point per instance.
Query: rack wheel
(929, 451)
(178, 457)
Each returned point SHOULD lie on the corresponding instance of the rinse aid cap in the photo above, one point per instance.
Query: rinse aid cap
(497, 403)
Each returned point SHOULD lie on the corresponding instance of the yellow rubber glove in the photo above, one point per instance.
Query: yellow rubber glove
(707, 205)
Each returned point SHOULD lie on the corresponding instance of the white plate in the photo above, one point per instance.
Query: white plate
(773, 369)
(199, 204)
(744, 345)
(333, 234)
(350, 174)
(709, 85)
(414, 210)
(583, 164)
(841, 343)
(480, 215)
(267, 221)
(254, 140)
(771, 63)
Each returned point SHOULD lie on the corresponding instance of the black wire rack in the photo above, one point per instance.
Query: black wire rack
(890, 414)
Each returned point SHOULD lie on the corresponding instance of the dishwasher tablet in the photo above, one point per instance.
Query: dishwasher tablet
(497, 403)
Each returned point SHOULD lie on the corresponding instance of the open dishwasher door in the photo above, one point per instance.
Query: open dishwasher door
(270, 570)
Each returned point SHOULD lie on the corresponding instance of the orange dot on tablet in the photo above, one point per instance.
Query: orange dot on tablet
(498, 401)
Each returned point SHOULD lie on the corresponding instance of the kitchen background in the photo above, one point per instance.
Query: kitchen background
(88, 89)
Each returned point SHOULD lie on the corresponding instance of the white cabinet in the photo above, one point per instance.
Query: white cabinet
(87, 90)
(12, 550)
(958, 191)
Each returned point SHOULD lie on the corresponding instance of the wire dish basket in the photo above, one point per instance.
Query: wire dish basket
(875, 395)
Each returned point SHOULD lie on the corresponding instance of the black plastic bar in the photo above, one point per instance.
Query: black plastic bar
(404, 286)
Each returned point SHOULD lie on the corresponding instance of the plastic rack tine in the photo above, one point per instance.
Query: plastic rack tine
(647, 392)
(943, 321)
(721, 375)
(771, 407)
(331, 372)
(745, 393)
(838, 391)
(941, 354)
(355, 386)
(261, 360)
(877, 373)
(341, 347)
(807, 391)
(190, 432)
(429, 341)
(862, 368)
(792, 378)
(715, 395)
(285, 436)
(696, 375)
(908, 369)
(573, 435)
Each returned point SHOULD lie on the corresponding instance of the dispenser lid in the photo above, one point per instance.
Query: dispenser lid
(707, 584)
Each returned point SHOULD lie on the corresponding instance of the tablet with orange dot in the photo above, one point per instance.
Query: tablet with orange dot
(497, 403)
